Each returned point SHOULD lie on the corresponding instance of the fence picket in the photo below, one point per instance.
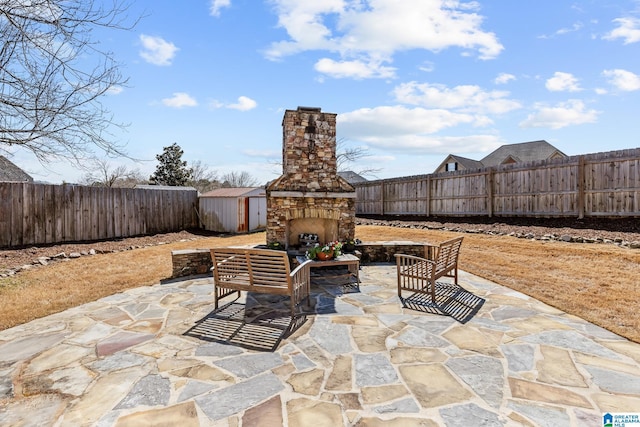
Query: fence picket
(599, 184)
(32, 214)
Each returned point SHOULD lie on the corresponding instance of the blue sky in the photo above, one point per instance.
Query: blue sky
(410, 80)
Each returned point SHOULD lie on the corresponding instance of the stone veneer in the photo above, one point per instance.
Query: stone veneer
(188, 262)
(310, 187)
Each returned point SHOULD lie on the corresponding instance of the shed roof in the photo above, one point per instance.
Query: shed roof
(11, 172)
(522, 152)
(235, 192)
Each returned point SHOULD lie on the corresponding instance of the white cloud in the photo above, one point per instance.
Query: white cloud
(397, 120)
(572, 112)
(623, 79)
(504, 78)
(378, 29)
(180, 100)
(156, 50)
(115, 90)
(466, 98)
(427, 66)
(244, 104)
(353, 69)
(575, 27)
(411, 130)
(216, 5)
(628, 29)
(563, 82)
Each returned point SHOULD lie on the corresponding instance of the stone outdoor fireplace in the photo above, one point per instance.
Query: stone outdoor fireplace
(309, 197)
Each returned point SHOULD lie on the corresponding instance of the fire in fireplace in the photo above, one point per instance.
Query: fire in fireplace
(309, 197)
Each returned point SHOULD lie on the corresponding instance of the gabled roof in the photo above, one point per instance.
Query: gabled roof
(522, 152)
(11, 172)
(352, 177)
(235, 192)
(465, 162)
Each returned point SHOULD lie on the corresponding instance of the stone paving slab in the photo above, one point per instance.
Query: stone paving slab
(158, 356)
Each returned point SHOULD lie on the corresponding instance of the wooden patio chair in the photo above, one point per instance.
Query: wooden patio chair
(419, 275)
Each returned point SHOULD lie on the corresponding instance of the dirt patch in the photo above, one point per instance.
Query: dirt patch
(16, 259)
(605, 230)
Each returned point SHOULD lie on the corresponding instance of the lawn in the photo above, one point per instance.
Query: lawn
(597, 282)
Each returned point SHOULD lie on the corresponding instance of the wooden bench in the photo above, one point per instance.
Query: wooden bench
(258, 270)
(416, 274)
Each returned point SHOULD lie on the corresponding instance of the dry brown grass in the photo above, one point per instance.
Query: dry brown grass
(598, 283)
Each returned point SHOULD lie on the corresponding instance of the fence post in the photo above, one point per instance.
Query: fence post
(382, 197)
(489, 183)
(581, 186)
(428, 195)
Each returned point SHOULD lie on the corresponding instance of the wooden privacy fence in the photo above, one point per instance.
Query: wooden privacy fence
(592, 185)
(33, 214)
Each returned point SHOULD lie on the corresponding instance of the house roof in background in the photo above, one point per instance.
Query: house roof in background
(235, 192)
(522, 152)
(11, 172)
(464, 161)
(352, 177)
(467, 163)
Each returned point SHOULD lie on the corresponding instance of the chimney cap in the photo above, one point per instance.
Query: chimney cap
(310, 109)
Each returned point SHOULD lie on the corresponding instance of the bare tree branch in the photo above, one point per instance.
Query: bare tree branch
(345, 156)
(52, 76)
(102, 174)
(202, 179)
(239, 179)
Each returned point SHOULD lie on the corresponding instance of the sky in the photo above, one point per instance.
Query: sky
(411, 81)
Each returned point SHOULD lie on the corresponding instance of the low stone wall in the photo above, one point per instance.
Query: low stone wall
(385, 251)
(187, 262)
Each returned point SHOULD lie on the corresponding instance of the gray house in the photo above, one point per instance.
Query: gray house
(9, 172)
(506, 154)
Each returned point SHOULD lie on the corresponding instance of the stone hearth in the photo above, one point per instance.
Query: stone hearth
(310, 196)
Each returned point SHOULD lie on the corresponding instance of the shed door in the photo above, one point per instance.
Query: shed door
(257, 213)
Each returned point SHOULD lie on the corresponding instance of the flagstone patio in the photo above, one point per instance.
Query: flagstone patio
(159, 356)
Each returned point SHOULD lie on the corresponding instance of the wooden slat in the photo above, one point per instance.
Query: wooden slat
(600, 184)
(32, 214)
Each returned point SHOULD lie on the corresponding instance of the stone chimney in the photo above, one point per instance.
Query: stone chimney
(310, 196)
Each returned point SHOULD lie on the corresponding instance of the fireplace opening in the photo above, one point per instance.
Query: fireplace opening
(325, 229)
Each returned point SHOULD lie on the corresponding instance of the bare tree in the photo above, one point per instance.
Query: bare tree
(52, 76)
(238, 179)
(203, 179)
(102, 174)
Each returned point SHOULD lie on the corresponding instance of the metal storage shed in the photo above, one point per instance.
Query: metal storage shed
(233, 210)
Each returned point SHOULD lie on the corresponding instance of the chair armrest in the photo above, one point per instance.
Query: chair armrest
(303, 266)
(411, 258)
